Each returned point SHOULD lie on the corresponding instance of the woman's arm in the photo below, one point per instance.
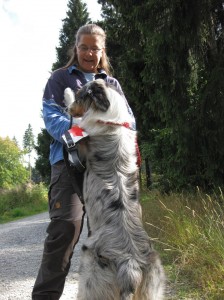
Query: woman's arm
(56, 119)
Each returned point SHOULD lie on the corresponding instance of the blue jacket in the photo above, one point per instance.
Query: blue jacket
(56, 119)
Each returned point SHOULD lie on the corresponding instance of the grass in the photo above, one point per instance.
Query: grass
(188, 231)
(22, 201)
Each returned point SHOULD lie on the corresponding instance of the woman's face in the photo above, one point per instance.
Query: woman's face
(89, 52)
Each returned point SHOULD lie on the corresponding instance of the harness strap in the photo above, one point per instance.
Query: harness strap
(69, 139)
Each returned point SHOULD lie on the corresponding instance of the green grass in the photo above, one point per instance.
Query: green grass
(188, 231)
(22, 201)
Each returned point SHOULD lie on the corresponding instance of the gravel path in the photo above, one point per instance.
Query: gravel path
(20, 255)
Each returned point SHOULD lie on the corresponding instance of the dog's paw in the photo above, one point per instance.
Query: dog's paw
(69, 96)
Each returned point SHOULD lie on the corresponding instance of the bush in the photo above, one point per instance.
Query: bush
(22, 201)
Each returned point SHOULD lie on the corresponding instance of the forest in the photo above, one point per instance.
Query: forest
(169, 58)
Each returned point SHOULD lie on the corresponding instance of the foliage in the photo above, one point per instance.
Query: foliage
(188, 231)
(36, 176)
(43, 150)
(12, 171)
(29, 145)
(77, 16)
(172, 75)
(15, 141)
(22, 201)
(28, 140)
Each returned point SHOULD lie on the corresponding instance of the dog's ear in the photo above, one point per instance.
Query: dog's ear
(96, 91)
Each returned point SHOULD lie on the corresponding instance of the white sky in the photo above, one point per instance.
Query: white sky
(29, 33)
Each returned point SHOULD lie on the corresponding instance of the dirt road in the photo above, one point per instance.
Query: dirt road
(21, 246)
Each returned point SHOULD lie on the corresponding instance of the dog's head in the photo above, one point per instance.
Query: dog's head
(94, 95)
(102, 108)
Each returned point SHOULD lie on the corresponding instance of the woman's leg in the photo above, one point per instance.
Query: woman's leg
(66, 213)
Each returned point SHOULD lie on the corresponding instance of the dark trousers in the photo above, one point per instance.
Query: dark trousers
(66, 213)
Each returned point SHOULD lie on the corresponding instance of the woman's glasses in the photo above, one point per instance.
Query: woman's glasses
(85, 49)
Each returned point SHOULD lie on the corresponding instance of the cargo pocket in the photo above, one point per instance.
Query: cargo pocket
(54, 200)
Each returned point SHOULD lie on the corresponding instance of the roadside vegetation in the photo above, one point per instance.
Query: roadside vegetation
(188, 231)
(24, 200)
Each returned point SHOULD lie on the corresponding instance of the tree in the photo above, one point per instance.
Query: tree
(172, 74)
(186, 65)
(15, 141)
(42, 148)
(125, 50)
(12, 171)
(77, 15)
(29, 144)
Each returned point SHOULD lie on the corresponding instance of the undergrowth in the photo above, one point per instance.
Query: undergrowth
(22, 201)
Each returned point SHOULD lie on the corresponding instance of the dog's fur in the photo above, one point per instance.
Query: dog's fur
(118, 261)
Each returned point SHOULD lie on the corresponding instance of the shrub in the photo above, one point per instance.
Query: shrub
(23, 200)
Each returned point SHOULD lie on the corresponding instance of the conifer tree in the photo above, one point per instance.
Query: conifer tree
(77, 15)
(43, 150)
(29, 144)
(170, 65)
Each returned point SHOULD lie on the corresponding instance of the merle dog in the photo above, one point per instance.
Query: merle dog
(118, 261)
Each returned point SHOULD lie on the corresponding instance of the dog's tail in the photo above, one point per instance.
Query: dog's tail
(129, 278)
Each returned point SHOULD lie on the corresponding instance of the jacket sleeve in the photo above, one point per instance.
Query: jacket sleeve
(55, 118)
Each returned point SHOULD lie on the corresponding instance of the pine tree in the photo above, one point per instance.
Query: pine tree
(170, 65)
(43, 150)
(15, 141)
(77, 15)
(29, 144)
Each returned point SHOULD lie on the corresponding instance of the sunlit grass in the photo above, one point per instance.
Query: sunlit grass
(188, 231)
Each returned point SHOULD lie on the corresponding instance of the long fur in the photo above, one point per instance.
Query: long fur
(118, 261)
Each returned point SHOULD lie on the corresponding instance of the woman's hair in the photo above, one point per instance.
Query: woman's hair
(92, 29)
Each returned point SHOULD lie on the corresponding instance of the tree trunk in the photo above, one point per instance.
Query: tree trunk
(148, 173)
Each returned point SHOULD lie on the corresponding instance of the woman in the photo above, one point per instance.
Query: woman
(88, 62)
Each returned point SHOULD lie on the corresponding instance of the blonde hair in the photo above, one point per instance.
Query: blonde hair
(91, 29)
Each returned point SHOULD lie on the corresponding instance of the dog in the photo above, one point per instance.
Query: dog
(117, 260)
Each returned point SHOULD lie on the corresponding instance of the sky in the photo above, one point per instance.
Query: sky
(29, 31)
